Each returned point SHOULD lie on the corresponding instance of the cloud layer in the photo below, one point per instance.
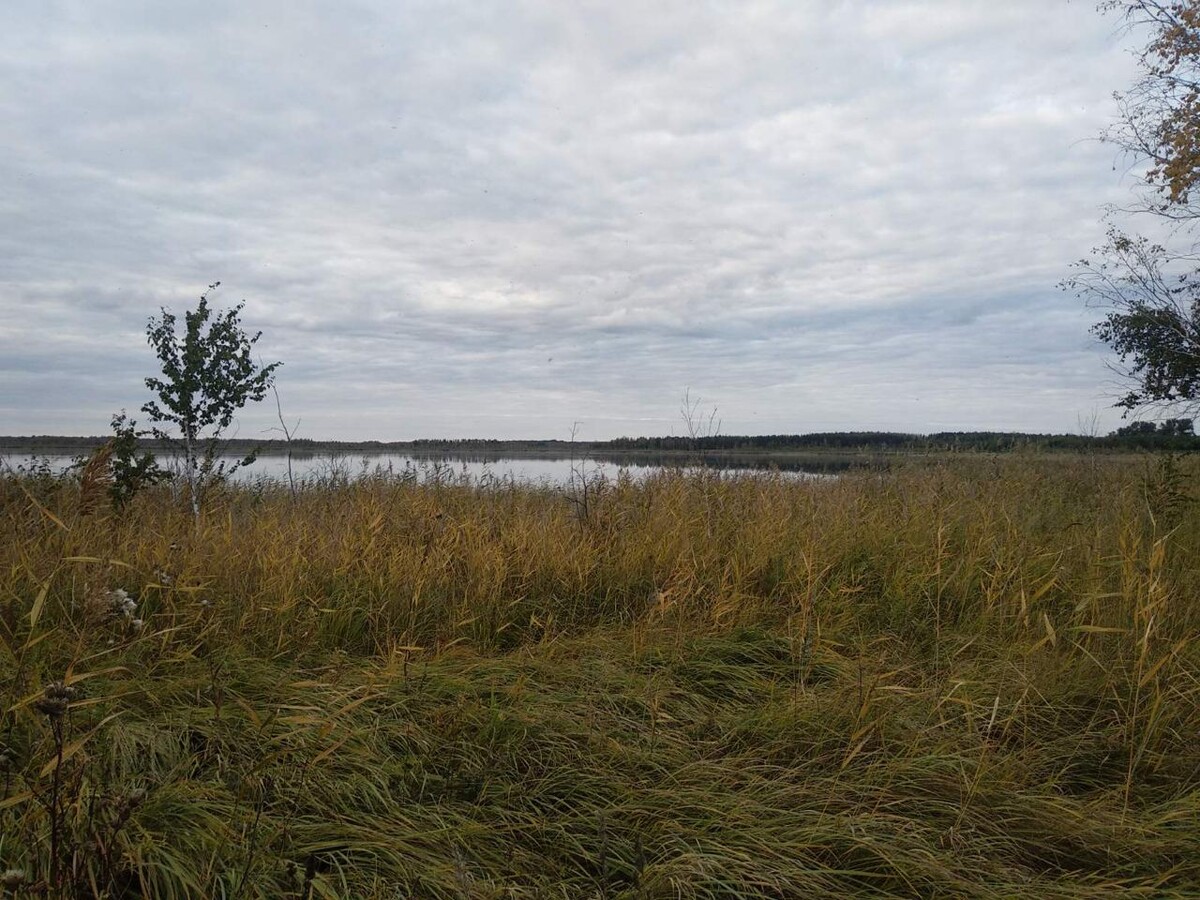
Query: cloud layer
(496, 219)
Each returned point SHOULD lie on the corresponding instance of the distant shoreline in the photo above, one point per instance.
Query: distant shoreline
(747, 446)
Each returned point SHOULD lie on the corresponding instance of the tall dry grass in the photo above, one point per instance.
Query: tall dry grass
(977, 678)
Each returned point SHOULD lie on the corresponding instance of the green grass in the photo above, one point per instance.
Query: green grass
(978, 679)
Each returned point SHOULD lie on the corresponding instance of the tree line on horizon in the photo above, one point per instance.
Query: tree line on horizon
(1171, 434)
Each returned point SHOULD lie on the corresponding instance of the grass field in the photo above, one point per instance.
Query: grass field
(979, 678)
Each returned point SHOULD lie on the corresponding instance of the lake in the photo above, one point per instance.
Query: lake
(479, 468)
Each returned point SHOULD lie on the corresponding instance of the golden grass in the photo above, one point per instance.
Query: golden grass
(972, 679)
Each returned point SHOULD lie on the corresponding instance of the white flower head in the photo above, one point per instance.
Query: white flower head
(121, 603)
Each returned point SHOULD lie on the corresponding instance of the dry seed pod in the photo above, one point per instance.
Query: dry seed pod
(55, 699)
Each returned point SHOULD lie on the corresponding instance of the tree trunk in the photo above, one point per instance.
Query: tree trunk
(190, 463)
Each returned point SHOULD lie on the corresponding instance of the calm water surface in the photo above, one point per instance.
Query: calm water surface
(475, 468)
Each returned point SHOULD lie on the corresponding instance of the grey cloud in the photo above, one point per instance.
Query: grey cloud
(483, 218)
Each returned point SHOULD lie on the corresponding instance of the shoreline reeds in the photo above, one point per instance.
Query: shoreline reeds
(979, 678)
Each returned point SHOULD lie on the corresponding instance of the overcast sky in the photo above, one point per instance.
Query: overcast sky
(496, 219)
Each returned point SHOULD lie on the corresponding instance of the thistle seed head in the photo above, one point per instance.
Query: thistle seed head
(121, 604)
(13, 879)
(55, 699)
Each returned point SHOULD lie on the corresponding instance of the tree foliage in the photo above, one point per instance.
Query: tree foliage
(1152, 319)
(208, 374)
(1159, 121)
(132, 467)
(1169, 428)
(1150, 290)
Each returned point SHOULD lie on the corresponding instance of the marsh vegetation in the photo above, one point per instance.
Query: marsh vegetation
(976, 678)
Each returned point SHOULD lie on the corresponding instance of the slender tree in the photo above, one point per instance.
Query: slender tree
(208, 374)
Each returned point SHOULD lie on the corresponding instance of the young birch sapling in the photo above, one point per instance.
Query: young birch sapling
(208, 374)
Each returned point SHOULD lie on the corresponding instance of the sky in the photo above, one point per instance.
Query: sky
(501, 219)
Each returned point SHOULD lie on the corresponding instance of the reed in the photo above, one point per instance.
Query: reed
(975, 678)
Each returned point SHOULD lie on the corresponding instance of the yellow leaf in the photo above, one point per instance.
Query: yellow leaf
(15, 799)
(1044, 589)
(1050, 631)
(73, 679)
(328, 751)
(853, 753)
(1145, 679)
(35, 612)
(49, 515)
(253, 716)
